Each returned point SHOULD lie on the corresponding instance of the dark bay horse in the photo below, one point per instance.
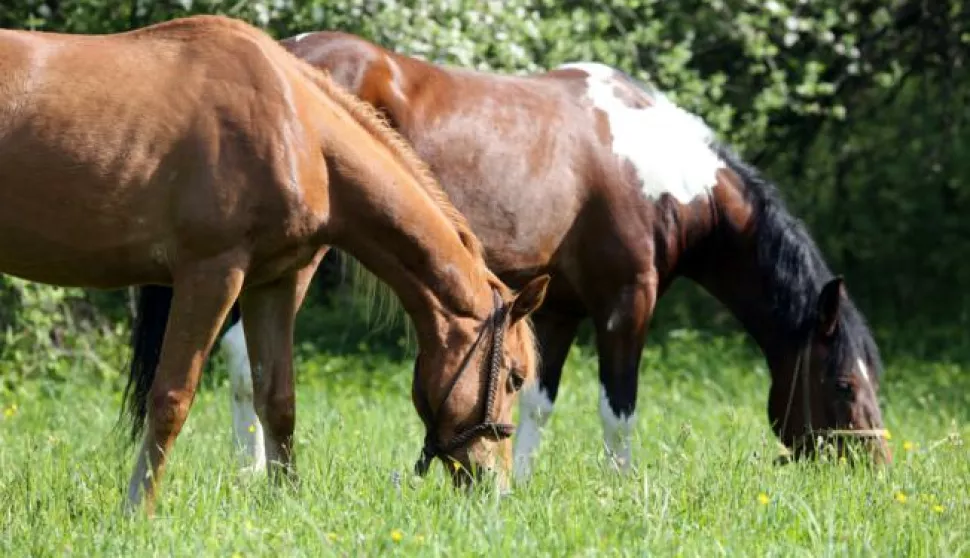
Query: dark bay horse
(201, 155)
(601, 181)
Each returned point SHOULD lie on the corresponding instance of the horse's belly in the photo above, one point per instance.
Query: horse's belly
(28, 255)
(76, 221)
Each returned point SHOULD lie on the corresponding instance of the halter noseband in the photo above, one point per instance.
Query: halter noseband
(803, 368)
(433, 447)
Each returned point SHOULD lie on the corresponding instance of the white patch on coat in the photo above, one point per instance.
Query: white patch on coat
(300, 37)
(669, 148)
(617, 432)
(247, 430)
(534, 410)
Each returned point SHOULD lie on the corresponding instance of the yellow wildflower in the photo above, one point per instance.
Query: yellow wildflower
(397, 535)
(763, 499)
(938, 508)
(10, 411)
(889, 435)
(419, 539)
(332, 537)
(455, 464)
(908, 446)
(252, 428)
(901, 497)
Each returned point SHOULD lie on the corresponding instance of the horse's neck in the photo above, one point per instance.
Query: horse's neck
(728, 269)
(387, 221)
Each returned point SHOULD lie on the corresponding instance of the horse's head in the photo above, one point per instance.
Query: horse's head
(825, 393)
(465, 390)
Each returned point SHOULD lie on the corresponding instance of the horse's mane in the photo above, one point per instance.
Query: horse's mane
(362, 112)
(789, 259)
(376, 124)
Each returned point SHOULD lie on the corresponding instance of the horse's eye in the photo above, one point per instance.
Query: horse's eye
(844, 390)
(515, 380)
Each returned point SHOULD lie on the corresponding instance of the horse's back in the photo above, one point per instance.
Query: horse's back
(524, 157)
(513, 154)
(114, 146)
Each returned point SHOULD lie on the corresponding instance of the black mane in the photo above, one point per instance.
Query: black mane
(792, 264)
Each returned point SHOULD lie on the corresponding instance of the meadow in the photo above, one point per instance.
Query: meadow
(704, 484)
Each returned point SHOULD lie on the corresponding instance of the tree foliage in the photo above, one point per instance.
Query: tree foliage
(857, 108)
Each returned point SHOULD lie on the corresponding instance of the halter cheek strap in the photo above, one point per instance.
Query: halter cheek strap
(486, 427)
(802, 371)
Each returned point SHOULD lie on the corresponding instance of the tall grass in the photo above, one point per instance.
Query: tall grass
(704, 482)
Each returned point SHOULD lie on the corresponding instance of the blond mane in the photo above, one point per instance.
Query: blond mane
(381, 304)
(376, 124)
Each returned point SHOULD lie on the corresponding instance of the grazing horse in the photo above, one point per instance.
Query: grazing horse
(201, 155)
(604, 183)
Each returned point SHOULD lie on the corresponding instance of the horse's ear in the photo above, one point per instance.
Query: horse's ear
(828, 305)
(529, 298)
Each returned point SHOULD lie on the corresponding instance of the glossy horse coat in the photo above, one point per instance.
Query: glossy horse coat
(200, 154)
(601, 181)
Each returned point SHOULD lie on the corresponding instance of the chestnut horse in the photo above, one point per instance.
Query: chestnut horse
(601, 181)
(200, 154)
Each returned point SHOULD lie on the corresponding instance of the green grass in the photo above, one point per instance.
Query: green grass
(703, 453)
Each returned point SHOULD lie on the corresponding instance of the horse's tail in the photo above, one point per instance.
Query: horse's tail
(147, 335)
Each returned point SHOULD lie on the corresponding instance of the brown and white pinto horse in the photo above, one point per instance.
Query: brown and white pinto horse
(584, 173)
(200, 154)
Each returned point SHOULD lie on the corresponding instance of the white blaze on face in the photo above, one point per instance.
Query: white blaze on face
(534, 410)
(247, 430)
(669, 148)
(863, 370)
(617, 431)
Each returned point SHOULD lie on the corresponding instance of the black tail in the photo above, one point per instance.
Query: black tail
(147, 335)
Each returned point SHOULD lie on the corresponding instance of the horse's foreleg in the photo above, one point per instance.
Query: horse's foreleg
(555, 333)
(268, 314)
(620, 333)
(246, 428)
(203, 293)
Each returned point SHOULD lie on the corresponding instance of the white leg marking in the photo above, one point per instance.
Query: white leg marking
(139, 479)
(669, 147)
(247, 430)
(617, 431)
(534, 410)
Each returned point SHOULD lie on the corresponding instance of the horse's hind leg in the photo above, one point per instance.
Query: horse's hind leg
(268, 313)
(247, 430)
(202, 296)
